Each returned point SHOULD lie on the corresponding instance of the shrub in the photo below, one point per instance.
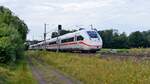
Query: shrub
(13, 33)
(11, 45)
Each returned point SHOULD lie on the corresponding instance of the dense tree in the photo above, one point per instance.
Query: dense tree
(120, 41)
(13, 33)
(62, 32)
(11, 46)
(54, 34)
(136, 39)
(107, 37)
(146, 35)
(7, 17)
(112, 39)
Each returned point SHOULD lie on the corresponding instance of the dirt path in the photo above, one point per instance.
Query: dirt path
(45, 74)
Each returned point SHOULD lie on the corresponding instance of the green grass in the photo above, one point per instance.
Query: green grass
(93, 70)
(132, 51)
(18, 73)
(140, 51)
(111, 51)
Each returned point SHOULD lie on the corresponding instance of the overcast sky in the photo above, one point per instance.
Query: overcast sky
(124, 15)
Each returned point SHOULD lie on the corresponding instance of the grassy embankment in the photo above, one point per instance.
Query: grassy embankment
(18, 73)
(131, 52)
(93, 70)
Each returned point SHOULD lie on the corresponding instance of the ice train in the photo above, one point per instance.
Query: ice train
(86, 40)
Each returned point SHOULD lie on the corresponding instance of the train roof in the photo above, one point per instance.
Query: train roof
(68, 35)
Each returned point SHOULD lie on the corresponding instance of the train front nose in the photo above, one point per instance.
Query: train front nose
(96, 45)
(96, 42)
(93, 45)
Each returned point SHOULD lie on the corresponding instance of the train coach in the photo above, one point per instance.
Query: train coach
(85, 40)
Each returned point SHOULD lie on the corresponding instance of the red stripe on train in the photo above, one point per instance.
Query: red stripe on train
(88, 44)
(72, 43)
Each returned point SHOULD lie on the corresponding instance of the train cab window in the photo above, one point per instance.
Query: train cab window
(80, 38)
(92, 34)
(67, 40)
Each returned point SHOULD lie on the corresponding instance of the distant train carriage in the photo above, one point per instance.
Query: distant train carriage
(82, 40)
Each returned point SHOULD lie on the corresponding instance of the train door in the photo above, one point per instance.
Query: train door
(58, 42)
(77, 42)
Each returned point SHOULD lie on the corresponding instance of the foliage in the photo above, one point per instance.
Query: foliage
(136, 39)
(146, 35)
(12, 36)
(112, 39)
(62, 32)
(94, 70)
(18, 73)
(135, 52)
(107, 37)
(7, 17)
(139, 52)
(10, 43)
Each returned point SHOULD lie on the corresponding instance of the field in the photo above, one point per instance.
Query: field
(96, 70)
(18, 73)
(131, 52)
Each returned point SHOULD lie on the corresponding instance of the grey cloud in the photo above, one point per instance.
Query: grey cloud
(102, 13)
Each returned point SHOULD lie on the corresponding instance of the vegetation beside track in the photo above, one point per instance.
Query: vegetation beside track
(94, 70)
(17, 73)
(142, 52)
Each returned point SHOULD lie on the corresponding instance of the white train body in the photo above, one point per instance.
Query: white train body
(83, 40)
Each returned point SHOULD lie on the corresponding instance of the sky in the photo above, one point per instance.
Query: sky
(124, 15)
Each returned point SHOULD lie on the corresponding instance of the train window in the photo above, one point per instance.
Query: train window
(63, 41)
(51, 43)
(92, 34)
(67, 40)
(79, 38)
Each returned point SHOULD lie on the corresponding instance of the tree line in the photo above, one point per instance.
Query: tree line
(13, 33)
(137, 39)
(113, 39)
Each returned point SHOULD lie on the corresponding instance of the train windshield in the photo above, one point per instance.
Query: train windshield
(92, 34)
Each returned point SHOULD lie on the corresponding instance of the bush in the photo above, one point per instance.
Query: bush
(13, 33)
(11, 45)
(8, 18)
